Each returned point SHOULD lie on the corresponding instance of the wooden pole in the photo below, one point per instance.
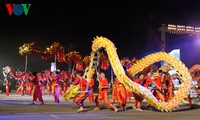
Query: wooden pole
(26, 63)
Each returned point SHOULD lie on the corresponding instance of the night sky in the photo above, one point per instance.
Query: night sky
(131, 25)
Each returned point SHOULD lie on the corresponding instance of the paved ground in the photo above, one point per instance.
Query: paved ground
(17, 107)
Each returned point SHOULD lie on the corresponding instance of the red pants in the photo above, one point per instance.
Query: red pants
(80, 98)
(103, 95)
(159, 95)
(7, 90)
(22, 90)
(114, 93)
(128, 95)
(189, 100)
(29, 90)
(37, 94)
(138, 100)
(18, 90)
(91, 96)
(61, 90)
(56, 93)
(121, 95)
(49, 90)
(168, 94)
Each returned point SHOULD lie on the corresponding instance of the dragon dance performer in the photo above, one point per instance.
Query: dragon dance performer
(114, 91)
(158, 85)
(37, 94)
(138, 98)
(148, 83)
(18, 85)
(41, 87)
(103, 93)
(128, 95)
(29, 88)
(120, 94)
(6, 83)
(83, 92)
(147, 80)
(22, 90)
(49, 87)
(92, 82)
(61, 89)
(169, 91)
(7, 87)
(55, 84)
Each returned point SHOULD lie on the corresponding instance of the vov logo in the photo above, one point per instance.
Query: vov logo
(18, 9)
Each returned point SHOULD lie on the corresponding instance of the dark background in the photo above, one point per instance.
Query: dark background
(131, 25)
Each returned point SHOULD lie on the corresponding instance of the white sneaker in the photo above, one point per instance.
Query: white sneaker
(116, 110)
(138, 109)
(134, 108)
(80, 110)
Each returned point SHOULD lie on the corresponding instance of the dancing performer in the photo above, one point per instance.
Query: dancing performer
(103, 93)
(114, 91)
(6, 83)
(22, 90)
(61, 88)
(169, 90)
(37, 94)
(83, 92)
(121, 94)
(92, 82)
(128, 95)
(138, 98)
(158, 85)
(55, 84)
(18, 85)
(147, 80)
(148, 84)
(49, 87)
(29, 88)
(7, 87)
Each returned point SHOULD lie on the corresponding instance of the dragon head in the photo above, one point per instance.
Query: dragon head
(6, 69)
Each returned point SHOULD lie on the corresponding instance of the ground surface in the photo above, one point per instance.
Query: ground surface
(17, 107)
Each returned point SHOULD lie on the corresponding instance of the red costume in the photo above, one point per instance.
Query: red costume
(56, 87)
(41, 87)
(91, 96)
(188, 98)
(61, 89)
(36, 90)
(147, 81)
(103, 94)
(22, 90)
(121, 94)
(83, 93)
(138, 98)
(29, 88)
(128, 95)
(114, 92)
(18, 87)
(7, 88)
(65, 86)
(169, 91)
(158, 88)
(49, 87)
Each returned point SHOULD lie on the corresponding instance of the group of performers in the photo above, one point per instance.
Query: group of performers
(162, 84)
